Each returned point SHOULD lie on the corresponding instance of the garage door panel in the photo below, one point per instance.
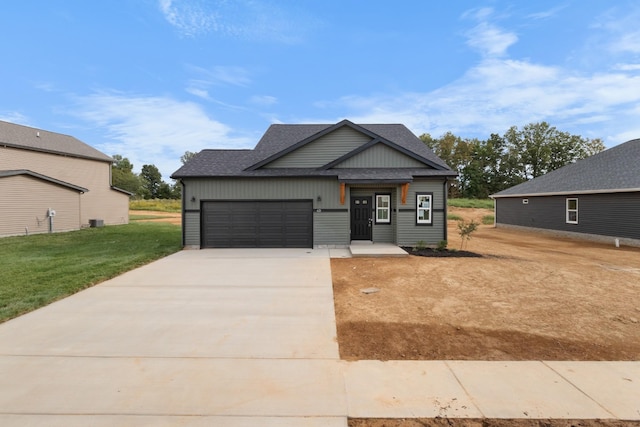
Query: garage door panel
(250, 224)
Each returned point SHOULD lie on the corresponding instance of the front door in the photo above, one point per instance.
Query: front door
(361, 218)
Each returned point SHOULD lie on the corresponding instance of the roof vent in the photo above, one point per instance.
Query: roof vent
(38, 134)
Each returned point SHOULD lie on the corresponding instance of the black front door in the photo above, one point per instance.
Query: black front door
(361, 218)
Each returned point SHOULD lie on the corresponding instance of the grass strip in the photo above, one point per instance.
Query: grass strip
(39, 269)
(471, 203)
(146, 217)
(160, 205)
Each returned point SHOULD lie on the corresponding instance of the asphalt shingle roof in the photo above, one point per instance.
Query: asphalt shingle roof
(28, 138)
(280, 138)
(613, 170)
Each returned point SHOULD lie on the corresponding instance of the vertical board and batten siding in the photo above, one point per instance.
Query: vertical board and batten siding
(381, 233)
(25, 201)
(380, 156)
(609, 214)
(408, 232)
(100, 202)
(269, 189)
(323, 150)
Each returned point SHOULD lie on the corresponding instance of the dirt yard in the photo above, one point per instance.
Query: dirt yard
(529, 297)
(170, 217)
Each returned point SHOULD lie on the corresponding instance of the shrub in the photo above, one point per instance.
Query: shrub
(465, 229)
(420, 245)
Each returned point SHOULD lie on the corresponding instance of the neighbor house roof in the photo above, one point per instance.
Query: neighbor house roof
(8, 173)
(611, 171)
(280, 140)
(28, 138)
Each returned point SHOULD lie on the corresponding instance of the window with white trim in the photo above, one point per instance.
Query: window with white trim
(383, 208)
(572, 211)
(423, 208)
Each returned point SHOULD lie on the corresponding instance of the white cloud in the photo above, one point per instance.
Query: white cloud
(206, 78)
(243, 19)
(190, 19)
(499, 92)
(154, 130)
(546, 14)
(490, 40)
(264, 100)
(14, 117)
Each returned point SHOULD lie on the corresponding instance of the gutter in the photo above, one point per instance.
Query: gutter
(568, 193)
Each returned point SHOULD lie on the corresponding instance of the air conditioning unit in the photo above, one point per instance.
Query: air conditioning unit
(93, 223)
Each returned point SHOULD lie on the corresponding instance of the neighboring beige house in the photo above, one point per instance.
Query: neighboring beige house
(43, 172)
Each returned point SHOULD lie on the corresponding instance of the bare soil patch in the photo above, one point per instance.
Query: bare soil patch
(461, 422)
(169, 217)
(530, 297)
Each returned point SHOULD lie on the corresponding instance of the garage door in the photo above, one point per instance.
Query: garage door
(257, 224)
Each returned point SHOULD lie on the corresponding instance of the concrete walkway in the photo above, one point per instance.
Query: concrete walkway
(247, 337)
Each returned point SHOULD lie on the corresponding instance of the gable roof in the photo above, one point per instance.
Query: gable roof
(8, 173)
(280, 140)
(28, 138)
(611, 171)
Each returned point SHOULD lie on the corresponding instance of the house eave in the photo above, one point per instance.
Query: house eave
(567, 193)
(374, 181)
(54, 181)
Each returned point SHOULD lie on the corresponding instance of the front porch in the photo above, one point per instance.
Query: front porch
(367, 249)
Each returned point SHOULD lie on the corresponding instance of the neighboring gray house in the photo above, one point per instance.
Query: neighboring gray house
(596, 198)
(317, 185)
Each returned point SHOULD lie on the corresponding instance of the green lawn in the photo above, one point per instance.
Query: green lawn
(39, 269)
(471, 203)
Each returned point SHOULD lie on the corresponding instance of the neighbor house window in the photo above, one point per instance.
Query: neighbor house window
(423, 208)
(572, 211)
(383, 208)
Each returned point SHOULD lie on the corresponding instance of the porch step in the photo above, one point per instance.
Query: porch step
(368, 249)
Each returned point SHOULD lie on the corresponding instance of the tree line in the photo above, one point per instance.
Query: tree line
(485, 167)
(502, 161)
(148, 184)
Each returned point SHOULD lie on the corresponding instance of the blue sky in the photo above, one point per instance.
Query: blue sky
(150, 79)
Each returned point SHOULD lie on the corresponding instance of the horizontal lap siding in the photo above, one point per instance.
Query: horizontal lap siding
(615, 214)
(409, 232)
(331, 228)
(192, 228)
(25, 201)
(100, 202)
(263, 189)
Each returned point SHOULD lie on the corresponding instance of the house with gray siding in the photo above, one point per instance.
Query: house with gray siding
(597, 198)
(50, 182)
(317, 185)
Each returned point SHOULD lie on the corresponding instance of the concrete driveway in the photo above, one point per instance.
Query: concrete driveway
(211, 337)
(239, 338)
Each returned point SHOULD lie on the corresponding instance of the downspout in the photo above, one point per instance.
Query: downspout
(183, 212)
(445, 196)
